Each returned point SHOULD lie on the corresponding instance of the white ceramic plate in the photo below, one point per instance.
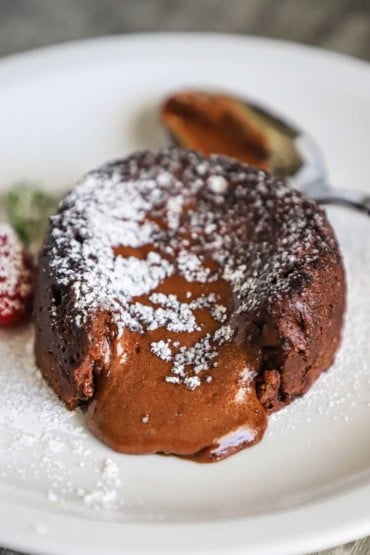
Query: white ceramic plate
(306, 486)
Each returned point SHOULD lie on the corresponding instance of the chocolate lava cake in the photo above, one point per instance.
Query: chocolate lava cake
(182, 299)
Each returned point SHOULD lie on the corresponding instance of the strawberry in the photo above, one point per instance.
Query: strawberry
(16, 278)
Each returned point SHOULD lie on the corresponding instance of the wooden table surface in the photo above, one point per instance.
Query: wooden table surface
(340, 25)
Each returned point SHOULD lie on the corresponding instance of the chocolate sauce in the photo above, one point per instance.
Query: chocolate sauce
(134, 409)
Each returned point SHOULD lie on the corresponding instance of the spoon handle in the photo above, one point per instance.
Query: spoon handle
(345, 197)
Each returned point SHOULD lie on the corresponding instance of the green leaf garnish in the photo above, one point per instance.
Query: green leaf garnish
(28, 208)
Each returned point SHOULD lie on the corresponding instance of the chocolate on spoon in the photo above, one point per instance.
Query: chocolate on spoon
(210, 122)
(216, 123)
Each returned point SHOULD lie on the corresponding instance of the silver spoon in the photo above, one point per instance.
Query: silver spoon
(312, 176)
(245, 130)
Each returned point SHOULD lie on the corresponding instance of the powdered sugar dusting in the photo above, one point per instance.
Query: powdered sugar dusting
(218, 184)
(42, 442)
(137, 277)
(190, 266)
(105, 491)
(162, 349)
(200, 220)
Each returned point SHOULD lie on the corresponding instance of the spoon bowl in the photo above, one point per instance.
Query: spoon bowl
(212, 122)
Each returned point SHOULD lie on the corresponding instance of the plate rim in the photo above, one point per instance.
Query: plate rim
(42, 56)
(312, 530)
